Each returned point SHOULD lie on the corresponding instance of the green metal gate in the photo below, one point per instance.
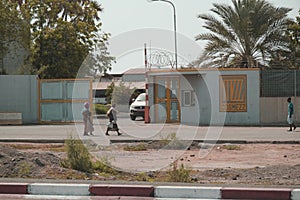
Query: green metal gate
(61, 100)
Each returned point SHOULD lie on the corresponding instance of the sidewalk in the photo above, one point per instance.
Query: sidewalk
(139, 131)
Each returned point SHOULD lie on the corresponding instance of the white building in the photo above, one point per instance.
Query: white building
(205, 96)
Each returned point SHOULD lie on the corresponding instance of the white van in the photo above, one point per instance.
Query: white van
(137, 108)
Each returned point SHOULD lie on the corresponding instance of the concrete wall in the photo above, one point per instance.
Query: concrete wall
(206, 111)
(207, 106)
(19, 93)
(189, 114)
(273, 110)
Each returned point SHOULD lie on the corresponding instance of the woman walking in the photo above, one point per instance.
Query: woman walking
(290, 117)
(112, 117)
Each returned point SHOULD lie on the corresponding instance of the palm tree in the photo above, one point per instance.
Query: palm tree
(243, 35)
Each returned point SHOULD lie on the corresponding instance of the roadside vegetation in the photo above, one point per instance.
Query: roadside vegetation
(231, 147)
(78, 158)
(101, 108)
(72, 160)
(64, 162)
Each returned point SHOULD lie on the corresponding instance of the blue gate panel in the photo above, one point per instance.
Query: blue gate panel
(78, 90)
(62, 100)
(52, 90)
(74, 112)
(52, 112)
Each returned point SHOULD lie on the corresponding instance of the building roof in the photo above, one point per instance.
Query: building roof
(135, 71)
(131, 85)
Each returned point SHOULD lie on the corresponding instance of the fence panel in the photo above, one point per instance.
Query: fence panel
(280, 83)
(61, 100)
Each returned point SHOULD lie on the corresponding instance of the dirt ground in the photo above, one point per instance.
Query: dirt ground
(235, 164)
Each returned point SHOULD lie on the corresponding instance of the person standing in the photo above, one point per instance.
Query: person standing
(87, 121)
(290, 117)
(112, 117)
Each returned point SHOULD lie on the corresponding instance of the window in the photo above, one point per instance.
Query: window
(188, 98)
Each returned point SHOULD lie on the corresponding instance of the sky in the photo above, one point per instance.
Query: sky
(134, 23)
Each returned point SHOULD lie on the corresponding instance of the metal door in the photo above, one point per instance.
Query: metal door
(166, 99)
(61, 100)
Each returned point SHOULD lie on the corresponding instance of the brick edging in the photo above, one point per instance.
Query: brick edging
(13, 188)
(122, 190)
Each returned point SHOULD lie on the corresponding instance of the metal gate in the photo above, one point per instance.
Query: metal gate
(61, 100)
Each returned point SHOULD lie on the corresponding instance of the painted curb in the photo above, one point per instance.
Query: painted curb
(295, 195)
(13, 188)
(122, 190)
(58, 189)
(256, 193)
(187, 192)
(12, 196)
(147, 192)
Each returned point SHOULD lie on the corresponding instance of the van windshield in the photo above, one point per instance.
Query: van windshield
(141, 97)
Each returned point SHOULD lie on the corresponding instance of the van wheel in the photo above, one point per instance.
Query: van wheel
(132, 117)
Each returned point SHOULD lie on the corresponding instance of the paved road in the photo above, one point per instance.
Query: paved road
(138, 130)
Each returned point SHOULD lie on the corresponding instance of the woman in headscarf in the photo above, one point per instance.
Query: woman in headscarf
(112, 117)
(87, 121)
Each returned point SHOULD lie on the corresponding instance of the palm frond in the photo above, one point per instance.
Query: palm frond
(248, 31)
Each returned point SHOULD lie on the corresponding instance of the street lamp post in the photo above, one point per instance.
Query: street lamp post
(175, 31)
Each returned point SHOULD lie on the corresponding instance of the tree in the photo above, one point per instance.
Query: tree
(243, 35)
(62, 53)
(122, 93)
(14, 29)
(109, 91)
(291, 57)
(97, 62)
(119, 94)
(294, 36)
(63, 34)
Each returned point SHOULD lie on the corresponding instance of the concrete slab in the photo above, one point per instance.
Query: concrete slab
(187, 192)
(58, 189)
(295, 194)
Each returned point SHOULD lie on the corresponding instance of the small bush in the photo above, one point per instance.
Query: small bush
(231, 147)
(78, 157)
(24, 169)
(178, 174)
(142, 176)
(104, 166)
(139, 147)
(172, 142)
(101, 109)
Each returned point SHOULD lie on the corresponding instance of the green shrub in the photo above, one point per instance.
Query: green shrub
(142, 176)
(172, 142)
(138, 147)
(104, 166)
(231, 147)
(101, 109)
(178, 174)
(24, 169)
(78, 157)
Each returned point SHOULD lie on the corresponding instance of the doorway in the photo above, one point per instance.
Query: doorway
(167, 105)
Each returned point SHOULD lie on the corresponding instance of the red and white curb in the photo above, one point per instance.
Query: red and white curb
(149, 191)
(188, 192)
